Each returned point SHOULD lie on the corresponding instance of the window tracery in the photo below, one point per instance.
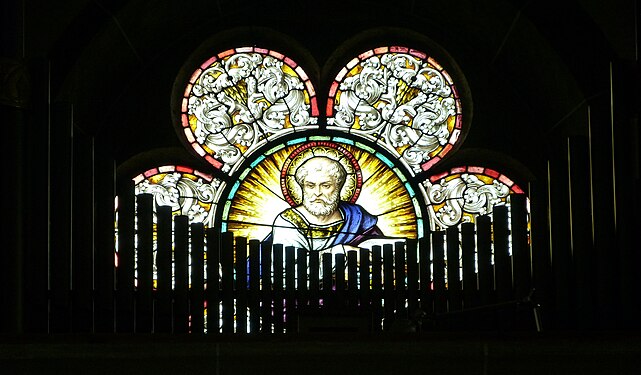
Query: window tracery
(394, 98)
(392, 113)
(241, 98)
(461, 194)
(401, 99)
(187, 191)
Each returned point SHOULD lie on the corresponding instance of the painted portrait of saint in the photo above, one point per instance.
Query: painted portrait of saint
(322, 196)
(323, 221)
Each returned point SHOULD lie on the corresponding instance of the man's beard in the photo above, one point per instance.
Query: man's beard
(324, 208)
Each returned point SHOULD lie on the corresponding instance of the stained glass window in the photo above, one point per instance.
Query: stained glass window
(401, 99)
(359, 175)
(270, 197)
(239, 99)
(461, 194)
(186, 190)
(399, 111)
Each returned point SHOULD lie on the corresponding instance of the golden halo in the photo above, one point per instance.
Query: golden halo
(353, 181)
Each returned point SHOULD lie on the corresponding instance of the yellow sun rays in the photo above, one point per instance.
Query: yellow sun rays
(259, 198)
(384, 195)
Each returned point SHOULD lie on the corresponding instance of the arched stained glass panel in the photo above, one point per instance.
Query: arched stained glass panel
(403, 100)
(269, 194)
(463, 193)
(186, 190)
(241, 98)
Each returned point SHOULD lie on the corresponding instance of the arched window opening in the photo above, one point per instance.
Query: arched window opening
(358, 177)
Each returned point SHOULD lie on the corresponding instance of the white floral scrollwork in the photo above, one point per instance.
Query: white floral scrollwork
(461, 198)
(401, 101)
(184, 195)
(236, 103)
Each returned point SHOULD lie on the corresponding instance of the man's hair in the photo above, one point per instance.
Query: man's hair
(331, 166)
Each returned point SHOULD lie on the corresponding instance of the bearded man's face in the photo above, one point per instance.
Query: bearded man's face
(320, 194)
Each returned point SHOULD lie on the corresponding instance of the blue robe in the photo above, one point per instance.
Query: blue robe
(359, 224)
